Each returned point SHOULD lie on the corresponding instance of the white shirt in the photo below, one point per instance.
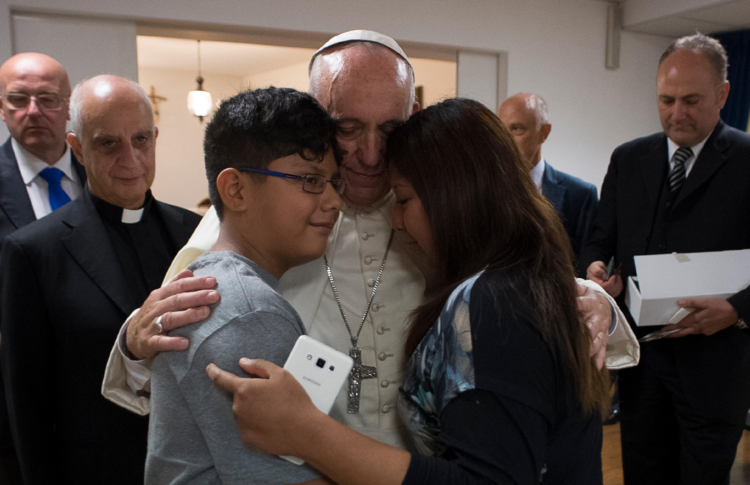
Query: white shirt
(672, 148)
(537, 174)
(36, 186)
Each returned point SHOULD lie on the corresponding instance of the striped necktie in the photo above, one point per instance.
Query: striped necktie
(57, 196)
(677, 174)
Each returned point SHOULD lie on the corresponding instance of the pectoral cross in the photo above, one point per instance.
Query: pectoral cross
(155, 103)
(358, 373)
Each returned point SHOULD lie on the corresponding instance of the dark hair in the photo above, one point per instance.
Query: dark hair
(256, 127)
(485, 212)
(708, 46)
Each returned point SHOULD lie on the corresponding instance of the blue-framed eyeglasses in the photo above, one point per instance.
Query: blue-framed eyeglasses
(312, 182)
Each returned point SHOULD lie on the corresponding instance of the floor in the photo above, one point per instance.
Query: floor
(612, 464)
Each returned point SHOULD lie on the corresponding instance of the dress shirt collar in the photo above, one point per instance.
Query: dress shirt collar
(30, 165)
(690, 162)
(537, 174)
(113, 213)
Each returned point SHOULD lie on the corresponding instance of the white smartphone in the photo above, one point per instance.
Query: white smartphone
(321, 370)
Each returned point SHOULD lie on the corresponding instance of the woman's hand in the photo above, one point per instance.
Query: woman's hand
(273, 411)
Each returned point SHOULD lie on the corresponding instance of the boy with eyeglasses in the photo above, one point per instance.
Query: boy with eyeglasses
(272, 165)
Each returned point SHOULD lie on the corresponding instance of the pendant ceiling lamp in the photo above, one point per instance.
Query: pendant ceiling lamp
(199, 101)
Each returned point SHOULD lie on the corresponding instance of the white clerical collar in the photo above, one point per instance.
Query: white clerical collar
(132, 216)
(537, 174)
(30, 165)
(380, 205)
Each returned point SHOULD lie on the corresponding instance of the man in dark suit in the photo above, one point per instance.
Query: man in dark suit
(34, 94)
(67, 282)
(684, 190)
(527, 117)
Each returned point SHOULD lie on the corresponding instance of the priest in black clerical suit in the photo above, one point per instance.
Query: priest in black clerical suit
(67, 283)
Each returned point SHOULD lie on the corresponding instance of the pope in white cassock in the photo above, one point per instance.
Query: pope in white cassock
(366, 83)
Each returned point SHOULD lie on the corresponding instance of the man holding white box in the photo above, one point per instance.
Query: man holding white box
(684, 190)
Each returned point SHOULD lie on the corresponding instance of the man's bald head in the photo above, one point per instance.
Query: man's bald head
(34, 63)
(38, 129)
(114, 138)
(104, 90)
(526, 117)
(368, 90)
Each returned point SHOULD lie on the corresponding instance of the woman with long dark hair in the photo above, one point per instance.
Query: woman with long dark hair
(500, 387)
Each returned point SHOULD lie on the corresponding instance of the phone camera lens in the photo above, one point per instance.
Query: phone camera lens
(331, 368)
(321, 362)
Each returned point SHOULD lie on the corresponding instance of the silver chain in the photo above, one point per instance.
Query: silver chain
(372, 295)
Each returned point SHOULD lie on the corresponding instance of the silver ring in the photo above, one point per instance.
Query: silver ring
(158, 322)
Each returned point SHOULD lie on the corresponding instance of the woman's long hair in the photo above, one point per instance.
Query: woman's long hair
(485, 212)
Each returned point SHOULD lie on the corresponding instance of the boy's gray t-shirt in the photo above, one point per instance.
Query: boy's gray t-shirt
(193, 437)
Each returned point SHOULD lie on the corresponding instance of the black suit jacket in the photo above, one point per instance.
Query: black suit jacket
(711, 213)
(576, 203)
(64, 300)
(15, 212)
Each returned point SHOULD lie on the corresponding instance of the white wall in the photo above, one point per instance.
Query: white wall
(555, 49)
(180, 172)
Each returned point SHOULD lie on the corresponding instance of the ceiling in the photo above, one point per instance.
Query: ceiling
(218, 57)
(713, 17)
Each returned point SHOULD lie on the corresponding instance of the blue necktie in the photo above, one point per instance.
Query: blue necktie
(57, 196)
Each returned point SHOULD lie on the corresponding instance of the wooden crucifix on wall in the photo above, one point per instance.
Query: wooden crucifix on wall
(155, 103)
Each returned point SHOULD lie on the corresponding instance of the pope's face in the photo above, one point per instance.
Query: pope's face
(367, 102)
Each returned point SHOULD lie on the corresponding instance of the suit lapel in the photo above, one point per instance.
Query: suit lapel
(14, 198)
(174, 221)
(653, 168)
(89, 245)
(710, 159)
(554, 192)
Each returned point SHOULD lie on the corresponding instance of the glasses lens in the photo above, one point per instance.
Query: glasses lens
(48, 101)
(17, 101)
(315, 184)
(339, 185)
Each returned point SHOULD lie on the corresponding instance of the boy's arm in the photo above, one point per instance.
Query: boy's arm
(265, 335)
(177, 452)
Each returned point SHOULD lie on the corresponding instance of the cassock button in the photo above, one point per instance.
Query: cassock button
(368, 260)
(386, 408)
(371, 283)
(381, 355)
(384, 384)
(375, 307)
(381, 331)
(365, 236)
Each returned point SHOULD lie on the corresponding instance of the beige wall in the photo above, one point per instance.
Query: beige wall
(438, 79)
(180, 173)
(294, 76)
